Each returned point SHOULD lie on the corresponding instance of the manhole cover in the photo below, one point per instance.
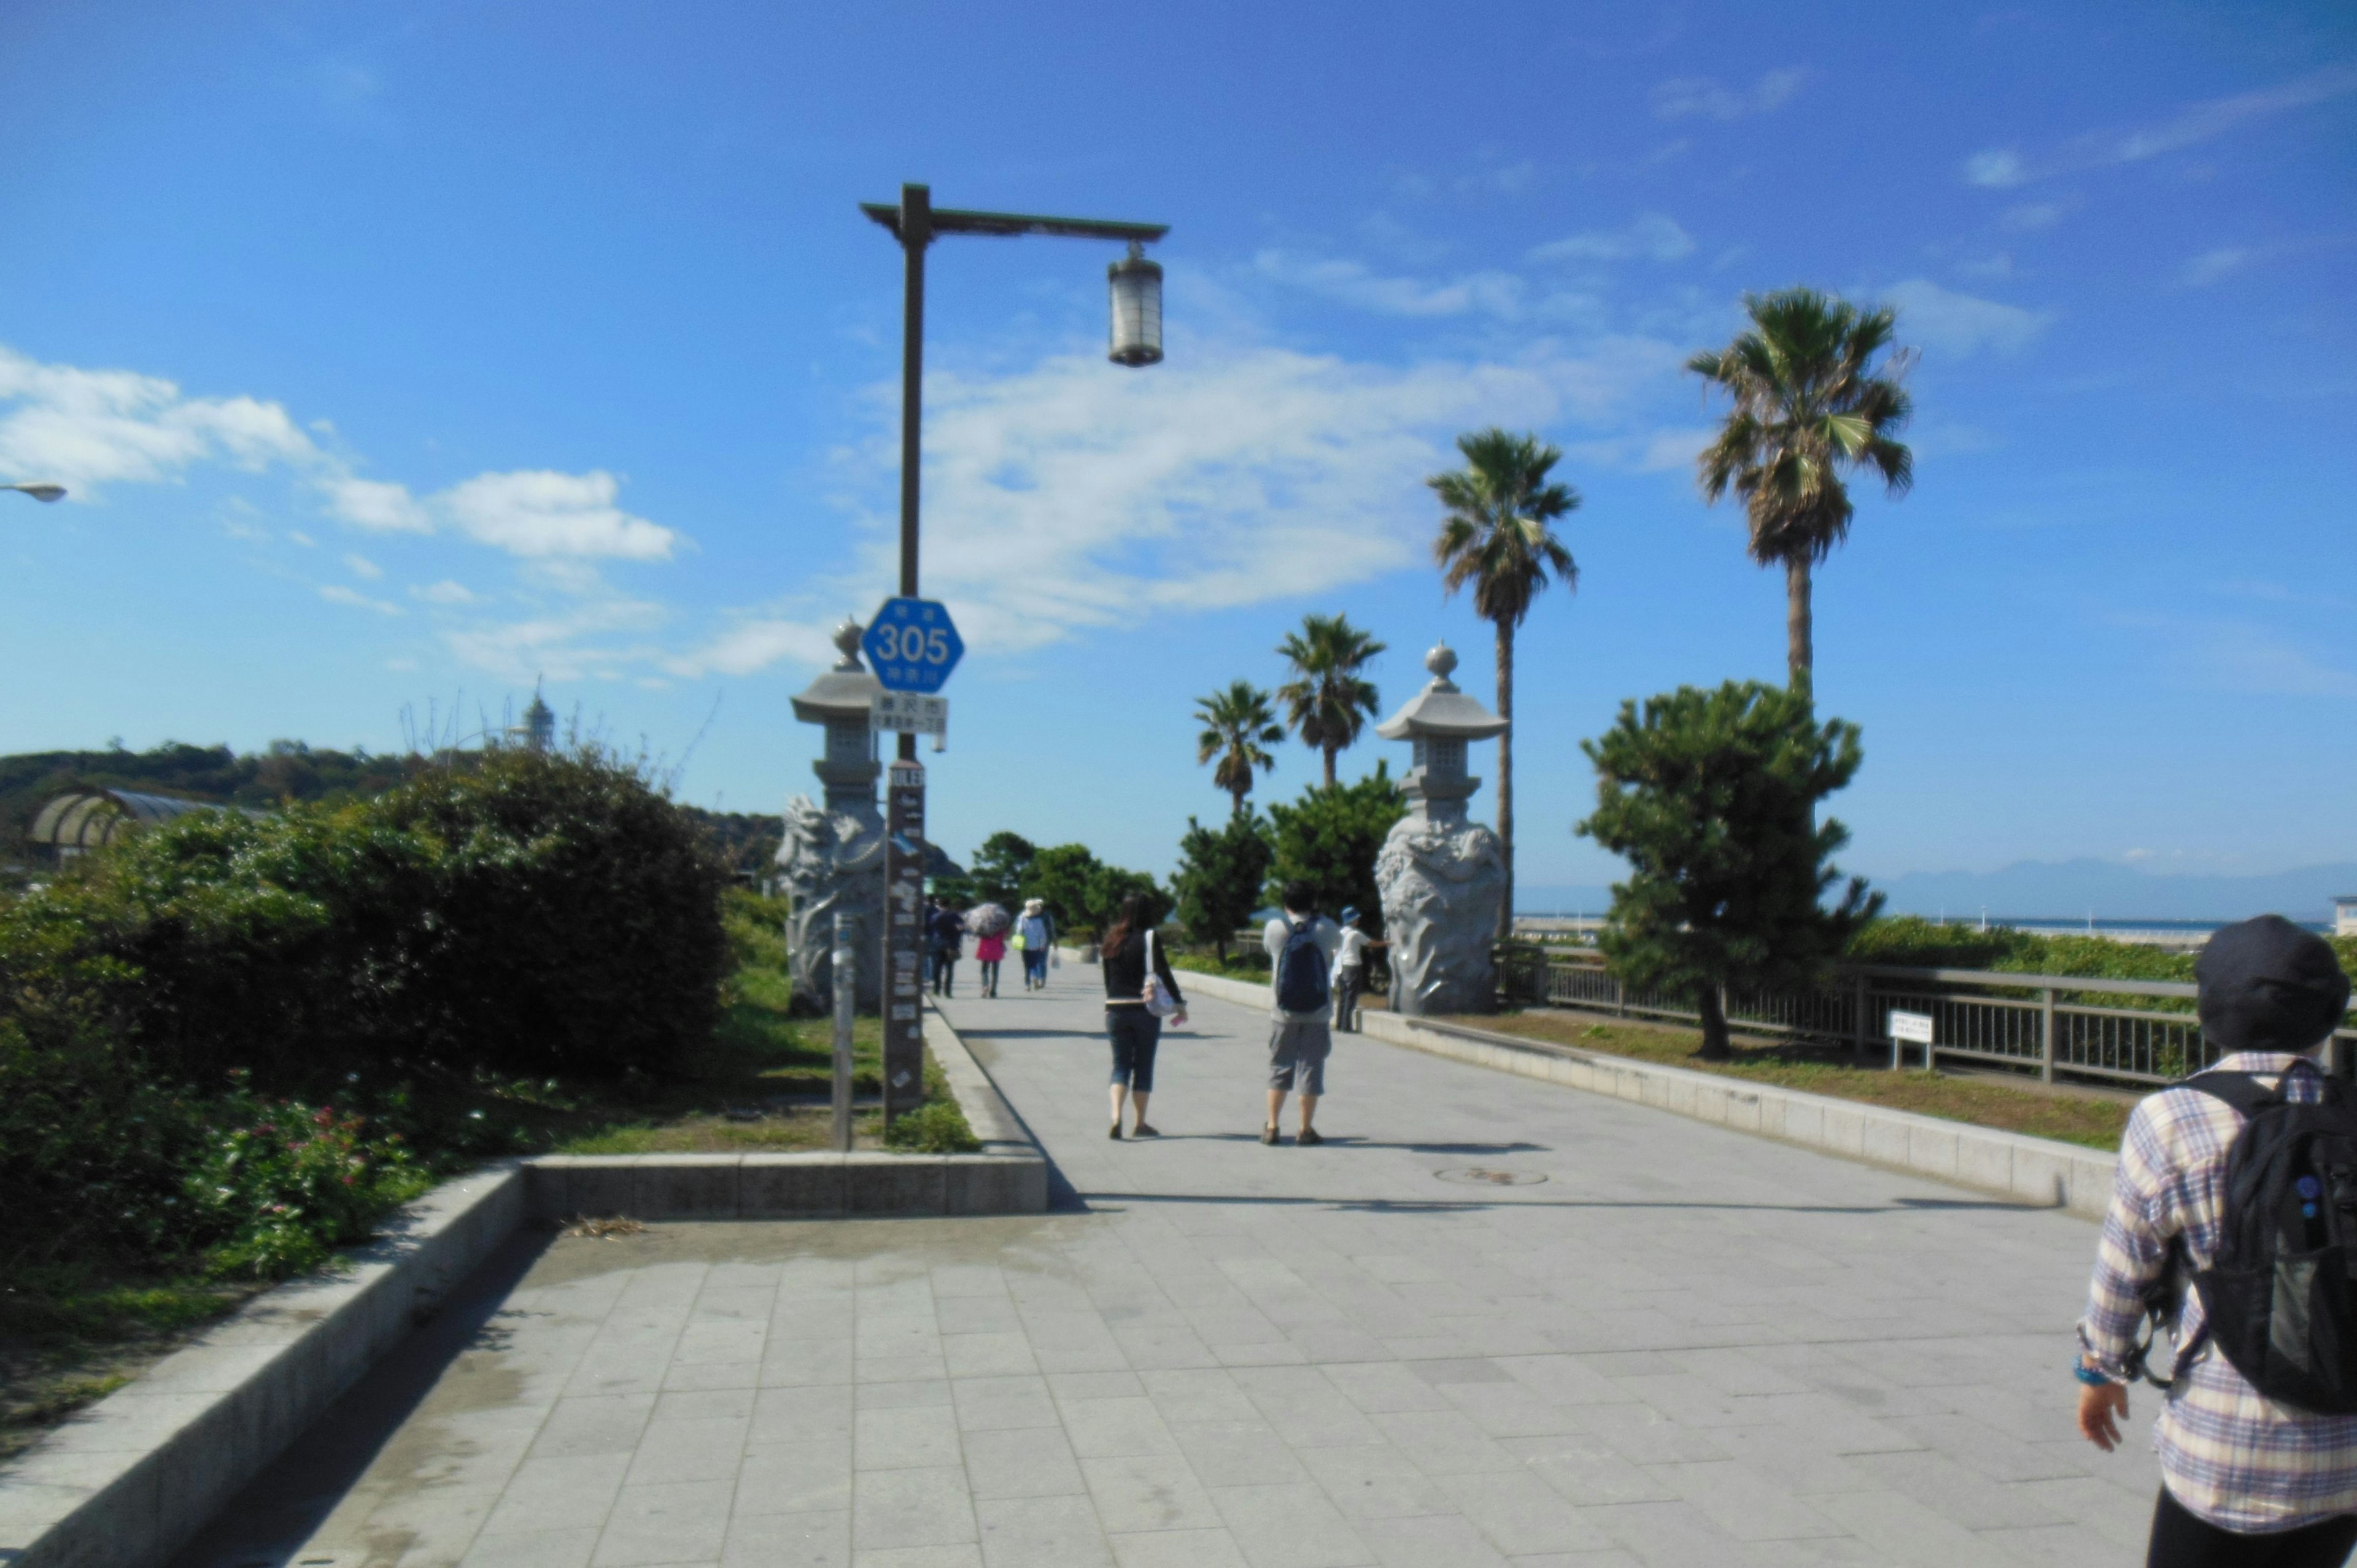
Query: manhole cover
(1474, 1176)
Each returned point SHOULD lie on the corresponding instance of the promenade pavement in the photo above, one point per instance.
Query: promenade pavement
(1491, 1320)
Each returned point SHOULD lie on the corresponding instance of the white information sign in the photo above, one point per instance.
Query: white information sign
(912, 713)
(1910, 1028)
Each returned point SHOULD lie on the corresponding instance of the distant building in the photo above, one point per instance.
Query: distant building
(83, 820)
(538, 731)
(2344, 915)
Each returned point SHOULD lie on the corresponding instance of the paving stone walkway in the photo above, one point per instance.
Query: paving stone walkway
(1661, 1343)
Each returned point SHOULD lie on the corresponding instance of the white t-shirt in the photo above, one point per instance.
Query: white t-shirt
(1329, 938)
(1354, 951)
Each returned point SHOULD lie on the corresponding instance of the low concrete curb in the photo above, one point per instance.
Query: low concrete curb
(1008, 1176)
(125, 1483)
(2034, 1170)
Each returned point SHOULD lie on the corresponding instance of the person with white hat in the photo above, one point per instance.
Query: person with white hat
(1035, 936)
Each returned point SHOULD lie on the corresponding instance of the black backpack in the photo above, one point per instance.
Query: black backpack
(2279, 1298)
(1302, 983)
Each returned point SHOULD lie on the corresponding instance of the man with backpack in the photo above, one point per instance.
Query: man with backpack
(1301, 944)
(2241, 1183)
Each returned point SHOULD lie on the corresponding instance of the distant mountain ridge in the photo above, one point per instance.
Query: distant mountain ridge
(2057, 890)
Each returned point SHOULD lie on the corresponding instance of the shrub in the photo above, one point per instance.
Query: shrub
(1711, 796)
(1329, 838)
(527, 913)
(936, 1127)
(1220, 875)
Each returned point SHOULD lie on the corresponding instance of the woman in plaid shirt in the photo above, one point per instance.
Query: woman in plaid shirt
(2246, 1481)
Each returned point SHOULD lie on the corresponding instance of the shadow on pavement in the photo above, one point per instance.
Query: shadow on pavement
(267, 1523)
(1454, 1205)
(1345, 1141)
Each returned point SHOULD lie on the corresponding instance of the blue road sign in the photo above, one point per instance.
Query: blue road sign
(912, 644)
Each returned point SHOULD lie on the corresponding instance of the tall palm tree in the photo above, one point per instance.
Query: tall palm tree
(1495, 536)
(1809, 405)
(1238, 727)
(1328, 703)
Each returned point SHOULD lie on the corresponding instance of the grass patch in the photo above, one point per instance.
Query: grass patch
(2096, 1122)
(1239, 965)
(70, 1339)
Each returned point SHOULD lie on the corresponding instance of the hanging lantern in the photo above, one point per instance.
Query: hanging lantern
(1136, 285)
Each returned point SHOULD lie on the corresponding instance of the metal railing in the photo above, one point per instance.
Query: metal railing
(2053, 1024)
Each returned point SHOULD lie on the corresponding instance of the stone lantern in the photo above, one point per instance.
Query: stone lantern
(831, 858)
(1440, 876)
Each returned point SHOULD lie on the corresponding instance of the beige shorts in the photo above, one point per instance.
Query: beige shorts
(1297, 1049)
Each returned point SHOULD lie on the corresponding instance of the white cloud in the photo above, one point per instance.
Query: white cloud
(446, 592)
(568, 646)
(2261, 660)
(337, 593)
(1700, 95)
(1235, 474)
(1670, 449)
(1493, 293)
(1960, 323)
(1652, 236)
(2211, 265)
(375, 504)
(2035, 215)
(90, 428)
(2001, 168)
(542, 513)
(364, 568)
(86, 428)
(755, 643)
(1995, 169)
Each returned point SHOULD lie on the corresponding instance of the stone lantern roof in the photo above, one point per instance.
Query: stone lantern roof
(1438, 721)
(1440, 709)
(842, 699)
(846, 691)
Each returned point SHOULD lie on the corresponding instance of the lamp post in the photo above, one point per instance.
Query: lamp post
(39, 493)
(1135, 286)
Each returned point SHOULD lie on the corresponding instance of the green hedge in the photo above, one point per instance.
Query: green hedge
(233, 1040)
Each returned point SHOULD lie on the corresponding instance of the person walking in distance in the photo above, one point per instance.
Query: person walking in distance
(948, 932)
(1350, 972)
(1140, 992)
(1035, 934)
(2237, 1181)
(989, 951)
(1301, 946)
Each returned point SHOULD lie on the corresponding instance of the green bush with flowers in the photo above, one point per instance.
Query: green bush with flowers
(228, 1045)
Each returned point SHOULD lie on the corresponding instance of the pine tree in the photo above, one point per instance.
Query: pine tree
(1711, 796)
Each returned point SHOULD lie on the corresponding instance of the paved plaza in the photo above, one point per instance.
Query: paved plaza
(1656, 1342)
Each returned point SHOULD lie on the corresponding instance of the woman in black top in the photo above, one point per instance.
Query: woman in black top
(1135, 1032)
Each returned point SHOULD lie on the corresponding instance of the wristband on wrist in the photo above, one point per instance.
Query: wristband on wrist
(2088, 1375)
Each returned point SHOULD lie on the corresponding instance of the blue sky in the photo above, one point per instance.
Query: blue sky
(400, 355)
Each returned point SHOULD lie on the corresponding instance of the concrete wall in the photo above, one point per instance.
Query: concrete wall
(124, 1483)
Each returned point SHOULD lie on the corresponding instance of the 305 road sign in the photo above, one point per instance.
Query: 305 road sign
(912, 644)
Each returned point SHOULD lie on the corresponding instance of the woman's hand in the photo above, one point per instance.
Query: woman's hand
(1178, 1019)
(2102, 1407)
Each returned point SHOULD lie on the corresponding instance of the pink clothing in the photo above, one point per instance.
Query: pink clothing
(990, 950)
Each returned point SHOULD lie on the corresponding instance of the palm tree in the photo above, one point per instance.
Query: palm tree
(1238, 727)
(1495, 536)
(1328, 703)
(1808, 405)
